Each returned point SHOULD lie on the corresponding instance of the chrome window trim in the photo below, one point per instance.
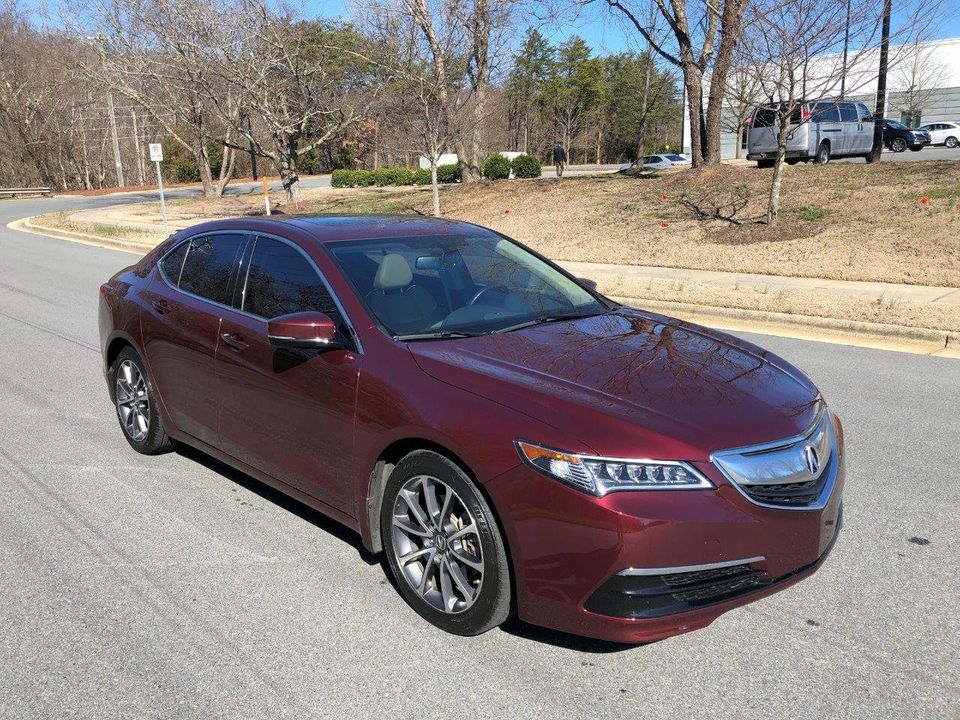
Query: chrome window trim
(252, 235)
(678, 569)
(831, 468)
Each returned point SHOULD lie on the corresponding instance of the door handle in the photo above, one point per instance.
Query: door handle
(234, 341)
(161, 306)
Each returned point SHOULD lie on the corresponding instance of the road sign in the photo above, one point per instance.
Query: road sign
(156, 152)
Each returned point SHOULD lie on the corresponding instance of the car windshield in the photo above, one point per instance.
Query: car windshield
(676, 158)
(458, 285)
(896, 125)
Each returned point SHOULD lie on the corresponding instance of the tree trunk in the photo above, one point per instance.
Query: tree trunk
(434, 186)
(731, 22)
(740, 128)
(286, 162)
(693, 80)
(476, 138)
(773, 201)
(202, 158)
(226, 169)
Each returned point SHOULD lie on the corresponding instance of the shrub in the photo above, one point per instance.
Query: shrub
(341, 178)
(448, 173)
(496, 167)
(382, 176)
(421, 177)
(526, 166)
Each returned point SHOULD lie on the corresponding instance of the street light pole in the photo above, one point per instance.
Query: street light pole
(881, 86)
(846, 45)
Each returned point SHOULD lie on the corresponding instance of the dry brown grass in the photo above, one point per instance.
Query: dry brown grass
(891, 222)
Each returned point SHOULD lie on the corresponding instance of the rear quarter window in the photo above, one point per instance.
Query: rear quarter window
(209, 264)
(172, 263)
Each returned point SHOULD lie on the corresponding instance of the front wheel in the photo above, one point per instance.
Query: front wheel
(823, 154)
(898, 145)
(951, 142)
(443, 546)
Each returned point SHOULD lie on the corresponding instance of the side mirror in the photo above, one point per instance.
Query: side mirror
(588, 283)
(303, 330)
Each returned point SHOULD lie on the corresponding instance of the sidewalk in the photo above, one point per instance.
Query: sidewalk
(843, 288)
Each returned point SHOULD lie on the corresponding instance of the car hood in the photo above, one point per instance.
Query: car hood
(632, 384)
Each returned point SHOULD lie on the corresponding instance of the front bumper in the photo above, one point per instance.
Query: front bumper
(569, 550)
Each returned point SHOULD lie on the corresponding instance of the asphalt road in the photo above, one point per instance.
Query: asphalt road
(174, 587)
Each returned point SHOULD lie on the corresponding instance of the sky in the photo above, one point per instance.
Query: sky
(605, 32)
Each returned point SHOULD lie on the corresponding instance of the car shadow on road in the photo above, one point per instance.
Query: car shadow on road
(314, 517)
(519, 628)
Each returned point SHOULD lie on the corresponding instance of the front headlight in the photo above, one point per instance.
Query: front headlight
(599, 476)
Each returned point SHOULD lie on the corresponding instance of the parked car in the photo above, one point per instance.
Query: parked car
(660, 161)
(943, 133)
(898, 137)
(818, 131)
(510, 439)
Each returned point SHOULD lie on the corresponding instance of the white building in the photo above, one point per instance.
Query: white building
(924, 75)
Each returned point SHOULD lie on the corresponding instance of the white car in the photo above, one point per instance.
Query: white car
(659, 162)
(943, 133)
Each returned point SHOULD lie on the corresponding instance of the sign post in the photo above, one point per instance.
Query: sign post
(156, 155)
(266, 193)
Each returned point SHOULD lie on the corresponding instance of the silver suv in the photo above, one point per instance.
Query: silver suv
(818, 131)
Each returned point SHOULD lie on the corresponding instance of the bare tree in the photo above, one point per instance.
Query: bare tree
(157, 54)
(702, 41)
(792, 45)
(303, 82)
(917, 75)
(743, 92)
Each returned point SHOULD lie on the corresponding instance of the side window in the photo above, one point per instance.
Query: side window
(848, 113)
(172, 263)
(826, 112)
(210, 261)
(281, 281)
(865, 114)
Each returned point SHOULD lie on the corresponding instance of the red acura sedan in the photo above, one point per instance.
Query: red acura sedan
(513, 441)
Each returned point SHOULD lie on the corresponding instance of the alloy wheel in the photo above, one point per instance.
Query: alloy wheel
(133, 403)
(899, 145)
(951, 142)
(436, 544)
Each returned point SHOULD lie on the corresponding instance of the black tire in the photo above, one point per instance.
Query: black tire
(951, 142)
(491, 604)
(823, 154)
(763, 164)
(898, 145)
(793, 161)
(916, 148)
(154, 440)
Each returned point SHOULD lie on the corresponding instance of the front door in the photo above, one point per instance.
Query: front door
(180, 323)
(288, 413)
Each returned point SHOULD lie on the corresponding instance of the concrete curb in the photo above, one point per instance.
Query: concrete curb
(924, 341)
(26, 225)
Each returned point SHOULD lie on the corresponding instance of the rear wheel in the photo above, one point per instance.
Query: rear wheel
(951, 142)
(136, 404)
(823, 154)
(898, 145)
(764, 164)
(443, 546)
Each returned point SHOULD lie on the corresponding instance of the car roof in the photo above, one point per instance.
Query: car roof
(332, 228)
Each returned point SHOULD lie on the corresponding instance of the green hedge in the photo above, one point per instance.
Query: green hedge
(526, 166)
(495, 167)
(392, 176)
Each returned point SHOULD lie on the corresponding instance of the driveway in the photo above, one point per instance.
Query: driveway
(175, 587)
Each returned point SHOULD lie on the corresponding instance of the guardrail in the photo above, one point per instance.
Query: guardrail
(17, 192)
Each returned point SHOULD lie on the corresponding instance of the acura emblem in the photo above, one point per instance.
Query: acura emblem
(811, 458)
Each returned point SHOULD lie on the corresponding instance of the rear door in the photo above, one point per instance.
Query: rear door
(762, 133)
(287, 412)
(180, 324)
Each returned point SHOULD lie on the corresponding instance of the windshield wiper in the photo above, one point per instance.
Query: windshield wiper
(546, 319)
(438, 335)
